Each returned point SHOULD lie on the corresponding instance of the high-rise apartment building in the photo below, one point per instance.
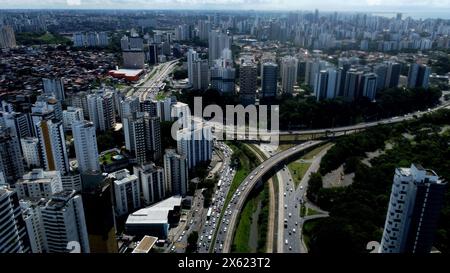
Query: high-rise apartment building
(65, 211)
(223, 76)
(247, 82)
(39, 184)
(200, 76)
(53, 146)
(13, 234)
(102, 110)
(289, 67)
(217, 42)
(369, 85)
(418, 76)
(30, 151)
(269, 79)
(86, 149)
(142, 136)
(192, 57)
(127, 193)
(175, 173)
(55, 87)
(7, 37)
(416, 199)
(72, 115)
(151, 178)
(11, 164)
(195, 143)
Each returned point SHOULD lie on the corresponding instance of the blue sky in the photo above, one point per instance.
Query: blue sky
(325, 5)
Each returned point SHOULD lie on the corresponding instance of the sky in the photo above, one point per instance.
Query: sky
(430, 6)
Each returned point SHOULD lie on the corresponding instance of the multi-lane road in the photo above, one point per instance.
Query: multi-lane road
(242, 192)
(154, 82)
(213, 222)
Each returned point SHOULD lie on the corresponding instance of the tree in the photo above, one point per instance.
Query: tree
(314, 185)
(192, 242)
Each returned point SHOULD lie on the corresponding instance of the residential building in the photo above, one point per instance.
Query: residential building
(151, 178)
(269, 79)
(86, 149)
(416, 200)
(53, 146)
(38, 184)
(127, 193)
(175, 173)
(289, 67)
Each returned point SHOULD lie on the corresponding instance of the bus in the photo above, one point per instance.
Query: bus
(208, 214)
(219, 184)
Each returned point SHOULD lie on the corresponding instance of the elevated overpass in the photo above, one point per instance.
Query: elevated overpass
(263, 172)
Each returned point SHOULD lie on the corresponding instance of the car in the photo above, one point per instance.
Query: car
(293, 230)
(292, 190)
(211, 232)
(286, 242)
(285, 206)
(220, 246)
(290, 247)
(296, 223)
(200, 244)
(180, 238)
(284, 193)
(183, 233)
(225, 229)
(172, 249)
(290, 214)
(251, 177)
(209, 238)
(301, 187)
(262, 167)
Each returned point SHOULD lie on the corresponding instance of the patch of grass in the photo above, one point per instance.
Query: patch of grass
(310, 155)
(302, 211)
(107, 158)
(306, 231)
(160, 96)
(298, 170)
(284, 147)
(242, 235)
(310, 212)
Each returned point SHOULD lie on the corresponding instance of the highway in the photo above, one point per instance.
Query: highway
(253, 134)
(211, 223)
(241, 194)
(155, 81)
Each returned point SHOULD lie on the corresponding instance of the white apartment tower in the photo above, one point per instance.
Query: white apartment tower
(86, 150)
(102, 110)
(39, 184)
(289, 67)
(416, 199)
(71, 115)
(13, 232)
(63, 210)
(175, 173)
(127, 193)
(30, 151)
(55, 87)
(151, 178)
(195, 143)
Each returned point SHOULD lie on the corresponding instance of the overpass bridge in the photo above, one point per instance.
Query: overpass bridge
(262, 173)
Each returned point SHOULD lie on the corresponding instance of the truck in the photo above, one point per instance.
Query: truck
(208, 214)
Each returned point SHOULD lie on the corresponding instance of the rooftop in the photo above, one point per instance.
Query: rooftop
(145, 245)
(155, 214)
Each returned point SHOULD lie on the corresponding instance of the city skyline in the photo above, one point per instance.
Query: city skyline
(415, 8)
